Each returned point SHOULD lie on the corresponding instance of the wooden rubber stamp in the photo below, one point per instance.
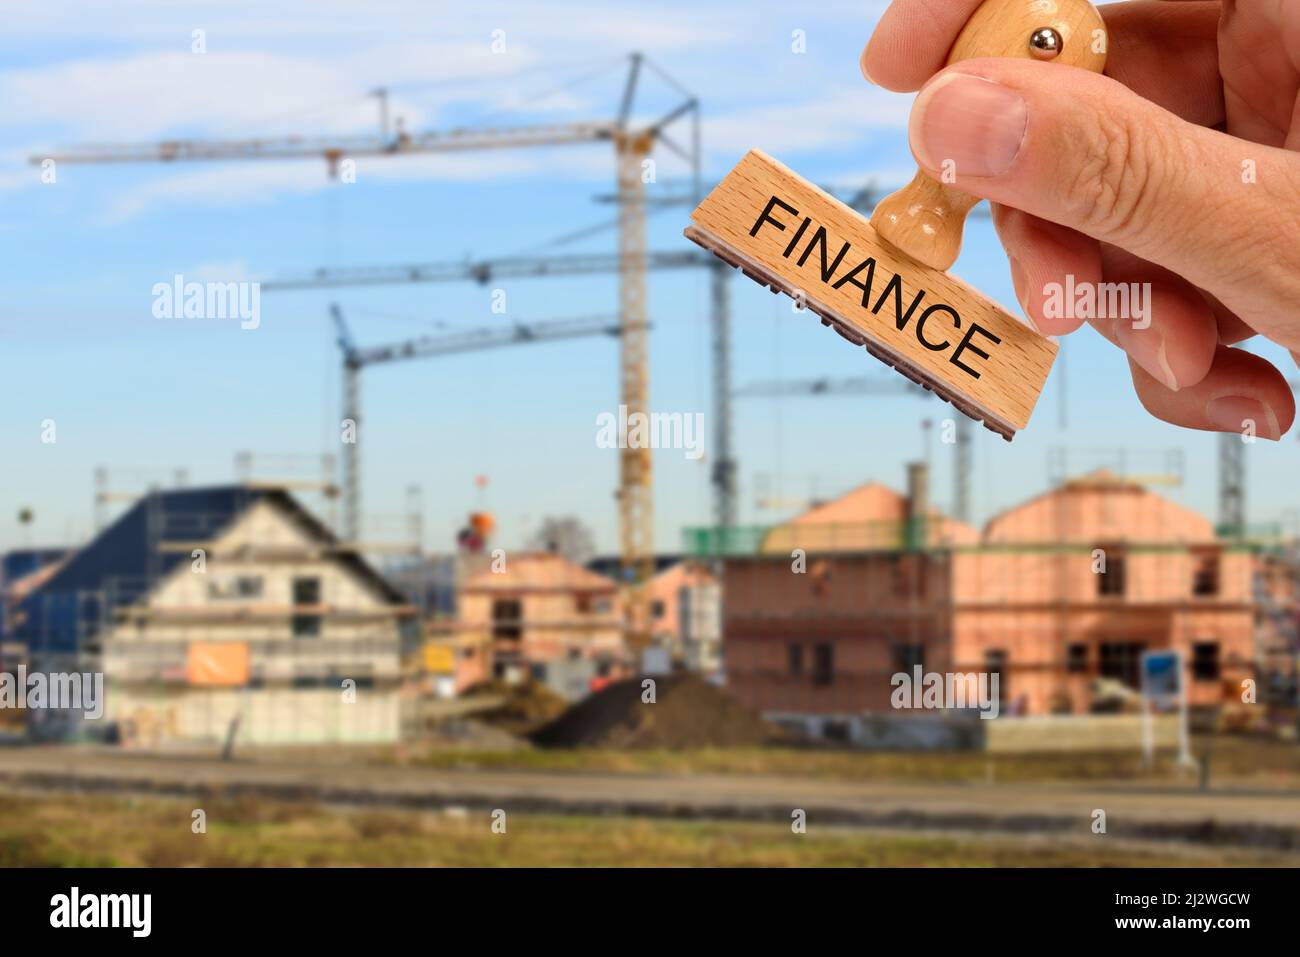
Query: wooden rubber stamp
(882, 284)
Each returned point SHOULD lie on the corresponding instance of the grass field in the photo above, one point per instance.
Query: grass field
(70, 831)
(1234, 761)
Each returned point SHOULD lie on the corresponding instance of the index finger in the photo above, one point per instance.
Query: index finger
(1164, 50)
(912, 40)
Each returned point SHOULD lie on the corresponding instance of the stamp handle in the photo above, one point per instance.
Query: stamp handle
(925, 218)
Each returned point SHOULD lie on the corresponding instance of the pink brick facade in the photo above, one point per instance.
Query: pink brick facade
(1026, 597)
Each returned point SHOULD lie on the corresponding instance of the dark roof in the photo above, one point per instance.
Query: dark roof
(19, 562)
(124, 562)
(611, 565)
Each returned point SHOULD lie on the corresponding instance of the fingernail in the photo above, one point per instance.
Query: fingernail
(1240, 413)
(973, 123)
(1146, 347)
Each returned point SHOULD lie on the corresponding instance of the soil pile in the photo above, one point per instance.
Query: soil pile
(688, 712)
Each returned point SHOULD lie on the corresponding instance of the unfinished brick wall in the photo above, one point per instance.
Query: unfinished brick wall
(862, 607)
(1030, 598)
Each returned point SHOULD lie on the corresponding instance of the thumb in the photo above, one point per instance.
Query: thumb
(1082, 150)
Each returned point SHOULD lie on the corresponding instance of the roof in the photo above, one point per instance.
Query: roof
(1099, 507)
(611, 566)
(20, 589)
(21, 573)
(123, 563)
(18, 563)
(869, 517)
(872, 502)
(539, 571)
(683, 573)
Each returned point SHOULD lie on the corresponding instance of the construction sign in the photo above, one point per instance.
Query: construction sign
(217, 664)
(439, 659)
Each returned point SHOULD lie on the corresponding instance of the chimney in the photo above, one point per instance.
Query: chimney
(918, 505)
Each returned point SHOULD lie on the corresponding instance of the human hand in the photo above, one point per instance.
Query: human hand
(1179, 168)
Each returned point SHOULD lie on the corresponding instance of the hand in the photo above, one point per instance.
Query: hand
(1180, 167)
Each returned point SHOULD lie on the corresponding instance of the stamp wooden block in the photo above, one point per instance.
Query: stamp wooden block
(882, 284)
(785, 233)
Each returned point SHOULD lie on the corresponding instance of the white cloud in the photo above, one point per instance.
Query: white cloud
(149, 95)
(227, 270)
(238, 184)
(836, 119)
(232, 22)
(307, 70)
(252, 183)
(255, 183)
(343, 53)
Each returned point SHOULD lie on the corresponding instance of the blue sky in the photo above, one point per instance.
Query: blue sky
(78, 343)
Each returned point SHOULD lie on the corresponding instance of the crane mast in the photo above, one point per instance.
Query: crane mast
(632, 147)
(356, 358)
(635, 487)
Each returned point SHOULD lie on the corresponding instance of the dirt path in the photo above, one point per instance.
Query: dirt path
(1236, 819)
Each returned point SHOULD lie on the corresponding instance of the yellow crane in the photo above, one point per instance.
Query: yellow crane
(633, 146)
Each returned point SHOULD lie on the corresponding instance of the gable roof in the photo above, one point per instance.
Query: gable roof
(539, 571)
(611, 566)
(873, 502)
(869, 517)
(19, 563)
(683, 573)
(124, 562)
(1100, 506)
(20, 589)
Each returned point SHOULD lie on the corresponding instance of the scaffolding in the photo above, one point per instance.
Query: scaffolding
(118, 484)
(301, 473)
(300, 629)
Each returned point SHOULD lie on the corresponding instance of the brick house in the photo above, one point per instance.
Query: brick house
(546, 617)
(820, 612)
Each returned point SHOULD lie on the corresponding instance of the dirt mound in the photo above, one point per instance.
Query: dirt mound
(688, 712)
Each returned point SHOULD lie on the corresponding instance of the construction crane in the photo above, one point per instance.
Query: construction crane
(725, 468)
(334, 149)
(633, 145)
(355, 358)
(870, 386)
(1232, 484)
(484, 271)
(1232, 480)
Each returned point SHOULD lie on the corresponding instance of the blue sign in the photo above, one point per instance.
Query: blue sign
(1162, 673)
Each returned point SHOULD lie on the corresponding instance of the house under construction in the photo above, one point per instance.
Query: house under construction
(1072, 586)
(222, 613)
(528, 616)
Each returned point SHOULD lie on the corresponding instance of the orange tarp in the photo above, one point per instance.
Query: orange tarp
(217, 664)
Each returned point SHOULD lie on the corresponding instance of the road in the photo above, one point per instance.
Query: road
(1145, 812)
